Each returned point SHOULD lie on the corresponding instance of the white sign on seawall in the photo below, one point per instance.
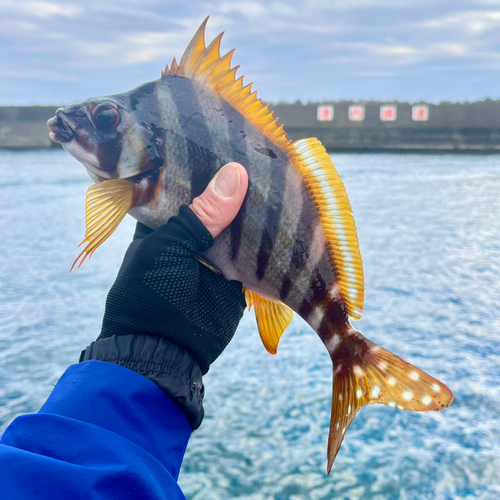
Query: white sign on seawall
(356, 113)
(420, 113)
(388, 113)
(325, 113)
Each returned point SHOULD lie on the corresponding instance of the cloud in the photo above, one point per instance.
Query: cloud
(469, 22)
(45, 75)
(250, 10)
(454, 49)
(306, 49)
(41, 9)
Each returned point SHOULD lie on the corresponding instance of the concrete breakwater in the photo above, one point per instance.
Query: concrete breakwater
(25, 126)
(340, 125)
(396, 126)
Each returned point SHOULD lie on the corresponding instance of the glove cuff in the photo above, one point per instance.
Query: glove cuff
(169, 366)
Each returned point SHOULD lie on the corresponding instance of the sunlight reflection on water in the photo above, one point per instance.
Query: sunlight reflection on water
(430, 238)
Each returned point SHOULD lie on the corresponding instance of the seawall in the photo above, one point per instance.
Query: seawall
(396, 126)
(340, 125)
(25, 126)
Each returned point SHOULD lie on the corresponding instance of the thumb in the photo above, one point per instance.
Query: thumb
(218, 205)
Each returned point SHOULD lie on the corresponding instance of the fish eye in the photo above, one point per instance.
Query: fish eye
(105, 116)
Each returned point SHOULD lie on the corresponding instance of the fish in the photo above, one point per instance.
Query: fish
(293, 244)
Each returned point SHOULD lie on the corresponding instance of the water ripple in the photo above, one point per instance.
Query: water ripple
(429, 232)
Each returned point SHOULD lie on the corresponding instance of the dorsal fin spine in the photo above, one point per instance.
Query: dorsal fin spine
(234, 89)
(222, 66)
(266, 120)
(255, 106)
(226, 81)
(210, 57)
(206, 66)
(244, 93)
(174, 67)
(191, 57)
(271, 127)
(249, 100)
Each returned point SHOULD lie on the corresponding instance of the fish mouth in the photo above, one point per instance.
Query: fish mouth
(60, 131)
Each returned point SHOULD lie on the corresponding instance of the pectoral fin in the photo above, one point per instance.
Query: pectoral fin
(272, 318)
(106, 205)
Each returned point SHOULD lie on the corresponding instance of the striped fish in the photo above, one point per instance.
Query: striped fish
(293, 244)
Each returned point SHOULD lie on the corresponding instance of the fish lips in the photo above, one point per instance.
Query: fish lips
(60, 131)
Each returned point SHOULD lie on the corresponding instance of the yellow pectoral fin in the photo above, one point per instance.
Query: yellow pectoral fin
(272, 318)
(106, 205)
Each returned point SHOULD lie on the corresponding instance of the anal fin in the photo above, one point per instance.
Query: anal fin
(272, 318)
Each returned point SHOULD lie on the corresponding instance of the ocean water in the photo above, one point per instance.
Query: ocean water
(429, 230)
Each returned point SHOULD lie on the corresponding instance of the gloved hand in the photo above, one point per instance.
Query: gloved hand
(167, 315)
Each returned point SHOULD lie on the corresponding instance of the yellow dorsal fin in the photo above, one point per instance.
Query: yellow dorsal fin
(327, 189)
(106, 205)
(272, 318)
(206, 66)
(193, 53)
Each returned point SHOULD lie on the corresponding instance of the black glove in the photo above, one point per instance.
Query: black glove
(165, 308)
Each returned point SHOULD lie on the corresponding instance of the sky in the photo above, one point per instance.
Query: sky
(58, 52)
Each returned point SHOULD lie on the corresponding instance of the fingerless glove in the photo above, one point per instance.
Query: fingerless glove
(163, 292)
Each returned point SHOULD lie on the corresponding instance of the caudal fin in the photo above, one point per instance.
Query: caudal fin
(367, 373)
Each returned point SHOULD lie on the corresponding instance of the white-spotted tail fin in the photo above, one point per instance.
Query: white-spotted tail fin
(376, 375)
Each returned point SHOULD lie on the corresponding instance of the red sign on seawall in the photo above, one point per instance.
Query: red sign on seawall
(420, 113)
(356, 113)
(325, 113)
(388, 113)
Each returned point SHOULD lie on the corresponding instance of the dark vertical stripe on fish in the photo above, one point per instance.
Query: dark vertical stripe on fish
(191, 119)
(301, 250)
(145, 110)
(108, 153)
(285, 288)
(315, 290)
(236, 229)
(194, 124)
(203, 165)
(238, 144)
(335, 315)
(275, 205)
(146, 91)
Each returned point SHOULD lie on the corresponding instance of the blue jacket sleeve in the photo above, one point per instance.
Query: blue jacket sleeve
(105, 432)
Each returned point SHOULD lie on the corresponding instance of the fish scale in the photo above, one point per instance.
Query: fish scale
(293, 245)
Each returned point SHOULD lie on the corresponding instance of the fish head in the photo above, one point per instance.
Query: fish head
(111, 137)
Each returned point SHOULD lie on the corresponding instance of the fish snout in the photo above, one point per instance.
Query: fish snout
(60, 130)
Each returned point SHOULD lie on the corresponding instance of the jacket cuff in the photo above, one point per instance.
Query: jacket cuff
(168, 365)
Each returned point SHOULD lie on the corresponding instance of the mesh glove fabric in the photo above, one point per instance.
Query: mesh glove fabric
(162, 289)
(167, 316)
